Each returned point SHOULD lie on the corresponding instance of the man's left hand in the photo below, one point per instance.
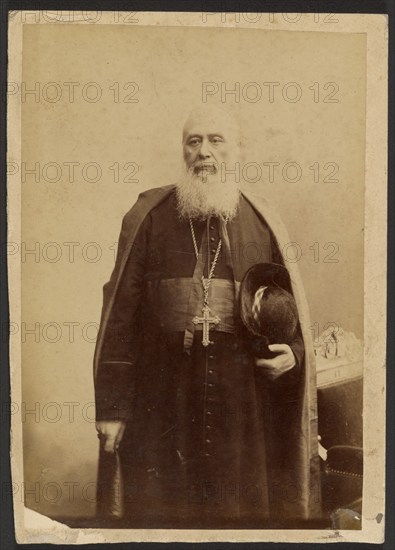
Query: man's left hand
(283, 362)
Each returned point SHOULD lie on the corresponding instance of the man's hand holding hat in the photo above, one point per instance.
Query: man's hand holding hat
(284, 361)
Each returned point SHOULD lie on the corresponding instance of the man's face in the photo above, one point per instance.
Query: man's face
(209, 142)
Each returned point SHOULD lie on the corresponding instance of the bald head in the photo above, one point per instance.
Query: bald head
(212, 118)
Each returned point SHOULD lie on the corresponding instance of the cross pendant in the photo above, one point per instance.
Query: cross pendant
(206, 320)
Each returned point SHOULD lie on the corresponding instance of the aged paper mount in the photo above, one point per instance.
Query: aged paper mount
(32, 527)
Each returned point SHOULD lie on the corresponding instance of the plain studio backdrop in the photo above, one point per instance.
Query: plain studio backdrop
(109, 105)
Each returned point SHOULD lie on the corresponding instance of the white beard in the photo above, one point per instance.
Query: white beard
(200, 196)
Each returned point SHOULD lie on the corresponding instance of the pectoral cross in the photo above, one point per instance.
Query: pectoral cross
(206, 321)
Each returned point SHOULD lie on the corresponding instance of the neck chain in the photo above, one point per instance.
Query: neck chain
(206, 282)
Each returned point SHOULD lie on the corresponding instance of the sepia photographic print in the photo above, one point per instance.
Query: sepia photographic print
(197, 276)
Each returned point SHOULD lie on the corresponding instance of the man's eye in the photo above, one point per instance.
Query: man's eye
(193, 142)
(216, 139)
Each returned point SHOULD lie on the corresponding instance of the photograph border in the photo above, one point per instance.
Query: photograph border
(374, 274)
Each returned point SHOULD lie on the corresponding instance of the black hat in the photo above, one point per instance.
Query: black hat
(267, 307)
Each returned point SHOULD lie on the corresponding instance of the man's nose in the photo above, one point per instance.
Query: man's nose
(204, 151)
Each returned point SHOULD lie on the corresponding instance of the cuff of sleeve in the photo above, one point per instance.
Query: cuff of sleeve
(115, 390)
(297, 348)
(113, 413)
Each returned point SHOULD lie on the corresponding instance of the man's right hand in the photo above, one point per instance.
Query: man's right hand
(112, 432)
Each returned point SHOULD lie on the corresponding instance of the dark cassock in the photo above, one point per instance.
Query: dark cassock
(209, 442)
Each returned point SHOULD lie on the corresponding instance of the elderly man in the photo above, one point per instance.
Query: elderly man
(208, 435)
